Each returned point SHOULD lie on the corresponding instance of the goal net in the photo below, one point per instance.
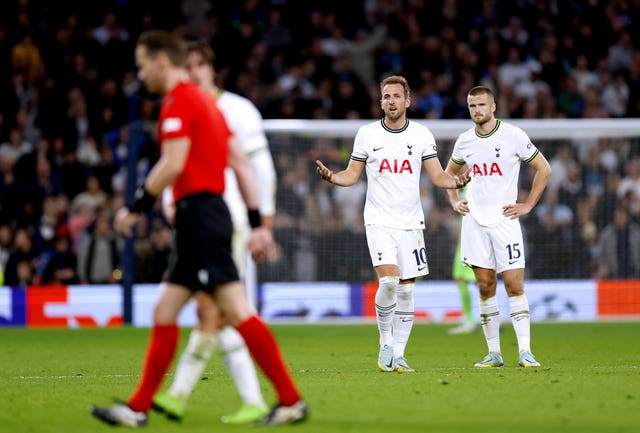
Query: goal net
(319, 228)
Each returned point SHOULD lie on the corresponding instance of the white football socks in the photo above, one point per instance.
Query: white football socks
(519, 309)
(385, 305)
(403, 318)
(490, 320)
(192, 363)
(240, 366)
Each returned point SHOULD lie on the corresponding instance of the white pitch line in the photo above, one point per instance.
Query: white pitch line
(563, 368)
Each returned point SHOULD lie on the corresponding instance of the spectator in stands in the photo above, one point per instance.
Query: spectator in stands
(618, 253)
(20, 267)
(631, 179)
(6, 242)
(98, 252)
(60, 268)
(554, 222)
(615, 95)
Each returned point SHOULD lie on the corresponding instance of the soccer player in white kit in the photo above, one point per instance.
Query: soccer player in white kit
(492, 241)
(245, 122)
(393, 150)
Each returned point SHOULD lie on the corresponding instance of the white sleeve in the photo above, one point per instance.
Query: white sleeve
(265, 172)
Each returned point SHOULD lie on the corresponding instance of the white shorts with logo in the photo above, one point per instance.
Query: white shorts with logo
(404, 248)
(499, 247)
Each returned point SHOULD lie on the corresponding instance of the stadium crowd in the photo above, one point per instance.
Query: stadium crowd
(68, 92)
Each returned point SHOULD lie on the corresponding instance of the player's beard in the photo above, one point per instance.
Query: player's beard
(480, 121)
(394, 116)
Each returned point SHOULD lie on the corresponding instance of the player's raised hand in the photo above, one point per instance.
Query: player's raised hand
(323, 171)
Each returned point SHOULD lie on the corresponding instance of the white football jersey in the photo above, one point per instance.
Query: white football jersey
(245, 122)
(394, 158)
(495, 159)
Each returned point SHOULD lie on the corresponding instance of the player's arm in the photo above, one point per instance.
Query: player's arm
(247, 183)
(442, 179)
(169, 166)
(346, 177)
(260, 243)
(264, 169)
(543, 172)
(164, 173)
(459, 205)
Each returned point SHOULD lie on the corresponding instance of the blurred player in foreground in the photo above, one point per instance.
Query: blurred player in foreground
(492, 241)
(245, 122)
(393, 150)
(194, 142)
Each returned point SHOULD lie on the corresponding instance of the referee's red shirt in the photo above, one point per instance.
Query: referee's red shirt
(187, 111)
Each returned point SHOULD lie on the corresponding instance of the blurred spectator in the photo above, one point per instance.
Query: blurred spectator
(615, 95)
(98, 252)
(153, 259)
(21, 264)
(554, 221)
(60, 268)
(631, 179)
(6, 243)
(618, 252)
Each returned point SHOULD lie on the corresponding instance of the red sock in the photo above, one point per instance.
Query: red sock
(162, 348)
(265, 351)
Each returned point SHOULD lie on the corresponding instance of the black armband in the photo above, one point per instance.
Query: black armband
(255, 220)
(143, 201)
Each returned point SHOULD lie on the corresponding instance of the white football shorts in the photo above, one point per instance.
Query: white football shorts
(404, 248)
(499, 247)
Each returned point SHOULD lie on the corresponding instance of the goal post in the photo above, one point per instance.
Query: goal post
(319, 228)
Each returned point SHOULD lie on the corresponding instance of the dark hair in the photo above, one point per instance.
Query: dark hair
(157, 41)
(204, 49)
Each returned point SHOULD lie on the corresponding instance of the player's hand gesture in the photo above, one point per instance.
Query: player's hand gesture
(261, 244)
(323, 171)
(463, 179)
(461, 206)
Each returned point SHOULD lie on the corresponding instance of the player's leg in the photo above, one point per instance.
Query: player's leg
(385, 305)
(402, 324)
(489, 316)
(383, 252)
(234, 350)
(160, 352)
(243, 372)
(202, 342)
(520, 318)
(476, 249)
(511, 262)
(231, 299)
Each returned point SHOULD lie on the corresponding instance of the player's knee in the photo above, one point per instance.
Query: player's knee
(405, 291)
(388, 285)
(230, 339)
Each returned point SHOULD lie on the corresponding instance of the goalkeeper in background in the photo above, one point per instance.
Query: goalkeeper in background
(463, 275)
(245, 122)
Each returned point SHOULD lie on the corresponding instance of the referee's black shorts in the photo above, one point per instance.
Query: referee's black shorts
(202, 243)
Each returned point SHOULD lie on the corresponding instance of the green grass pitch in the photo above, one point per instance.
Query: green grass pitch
(589, 381)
